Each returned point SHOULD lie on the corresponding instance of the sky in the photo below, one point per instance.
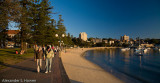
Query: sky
(110, 18)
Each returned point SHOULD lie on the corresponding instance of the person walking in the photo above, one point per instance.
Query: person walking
(44, 51)
(49, 55)
(52, 47)
(38, 57)
(35, 49)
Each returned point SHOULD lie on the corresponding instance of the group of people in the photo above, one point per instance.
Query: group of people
(21, 52)
(46, 54)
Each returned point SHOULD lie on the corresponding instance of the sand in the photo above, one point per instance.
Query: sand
(81, 70)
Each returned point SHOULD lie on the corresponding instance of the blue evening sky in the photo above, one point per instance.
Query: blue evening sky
(110, 18)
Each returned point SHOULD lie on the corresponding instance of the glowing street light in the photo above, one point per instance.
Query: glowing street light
(60, 38)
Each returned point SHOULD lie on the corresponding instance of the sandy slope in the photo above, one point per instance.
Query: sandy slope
(81, 70)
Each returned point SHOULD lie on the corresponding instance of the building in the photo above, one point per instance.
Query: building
(12, 33)
(72, 37)
(106, 41)
(96, 40)
(125, 38)
(83, 36)
(111, 42)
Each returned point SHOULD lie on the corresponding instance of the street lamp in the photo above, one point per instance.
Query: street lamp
(57, 35)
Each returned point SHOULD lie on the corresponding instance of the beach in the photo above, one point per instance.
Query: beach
(81, 70)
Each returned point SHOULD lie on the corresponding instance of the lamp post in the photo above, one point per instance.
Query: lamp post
(60, 36)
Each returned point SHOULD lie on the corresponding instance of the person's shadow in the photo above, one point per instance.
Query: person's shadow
(19, 67)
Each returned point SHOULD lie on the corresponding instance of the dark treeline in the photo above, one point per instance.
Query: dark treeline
(152, 41)
(34, 21)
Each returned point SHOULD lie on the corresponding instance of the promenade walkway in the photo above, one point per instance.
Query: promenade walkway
(25, 72)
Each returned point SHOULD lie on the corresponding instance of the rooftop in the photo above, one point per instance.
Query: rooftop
(13, 31)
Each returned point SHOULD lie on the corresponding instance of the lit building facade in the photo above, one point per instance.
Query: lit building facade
(125, 38)
(111, 42)
(83, 36)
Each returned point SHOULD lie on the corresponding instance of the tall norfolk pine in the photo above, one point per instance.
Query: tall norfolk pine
(43, 28)
(24, 23)
(35, 23)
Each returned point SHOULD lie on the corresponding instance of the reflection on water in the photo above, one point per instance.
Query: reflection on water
(127, 66)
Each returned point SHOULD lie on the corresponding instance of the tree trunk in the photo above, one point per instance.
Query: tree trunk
(22, 44)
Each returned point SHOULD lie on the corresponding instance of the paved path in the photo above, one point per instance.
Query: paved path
(25, 72)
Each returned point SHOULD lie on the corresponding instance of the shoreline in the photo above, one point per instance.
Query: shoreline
(81, 70)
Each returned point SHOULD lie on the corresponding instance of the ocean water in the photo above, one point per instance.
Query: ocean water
(126, 66)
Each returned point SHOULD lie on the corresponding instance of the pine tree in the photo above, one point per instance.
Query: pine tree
(43, 27)
(50, 33)
(68, 40)
(35, 23)
(24, 23)
(61, 29)
(60, 25)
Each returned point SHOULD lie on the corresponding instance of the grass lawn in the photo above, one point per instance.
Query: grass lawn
(9, 56)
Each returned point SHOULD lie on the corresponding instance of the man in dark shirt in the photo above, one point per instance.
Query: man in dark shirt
(38, 57)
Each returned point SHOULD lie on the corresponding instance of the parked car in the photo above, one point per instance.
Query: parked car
(10, 46)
